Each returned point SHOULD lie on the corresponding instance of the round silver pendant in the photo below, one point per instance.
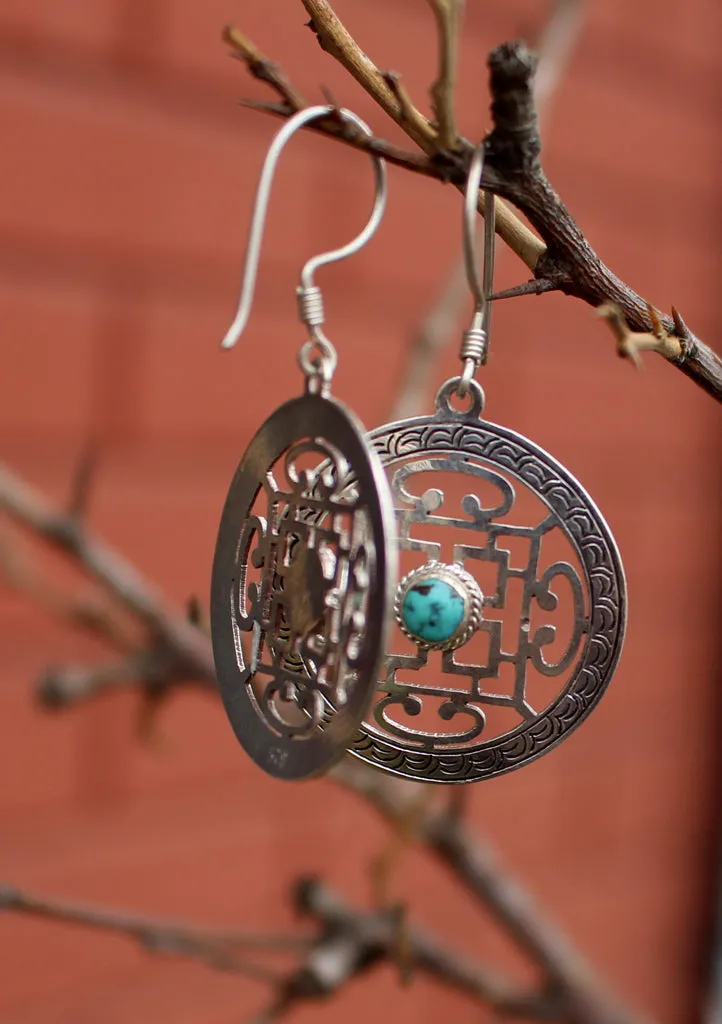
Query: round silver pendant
(303, 574)
(511, 616)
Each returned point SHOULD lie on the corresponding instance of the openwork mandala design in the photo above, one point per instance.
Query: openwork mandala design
(433, 709)
(300, 578)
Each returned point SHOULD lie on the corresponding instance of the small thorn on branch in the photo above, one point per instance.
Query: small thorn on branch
(631, 343)
(533, 287)
(683, 332)
(262, 68)
(408, 112)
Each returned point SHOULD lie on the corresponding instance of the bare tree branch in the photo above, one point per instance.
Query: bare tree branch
(347, 133)
(562, 258)
(513, 155)
(370, 937)
(337, 41)
(216, 948)
(185, 646)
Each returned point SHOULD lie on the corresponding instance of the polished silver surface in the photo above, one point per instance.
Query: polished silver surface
(543, 669)
(303, 575)
(475, 339)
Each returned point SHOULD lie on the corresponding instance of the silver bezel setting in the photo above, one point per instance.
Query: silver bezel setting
(463, 584)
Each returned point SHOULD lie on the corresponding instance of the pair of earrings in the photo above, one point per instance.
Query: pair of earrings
(466, 667)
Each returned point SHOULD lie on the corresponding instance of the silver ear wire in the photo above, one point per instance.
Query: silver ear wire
(475, 340)
(310, 301)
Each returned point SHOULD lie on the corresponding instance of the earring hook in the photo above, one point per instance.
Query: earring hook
(309, 295)
(475, 341)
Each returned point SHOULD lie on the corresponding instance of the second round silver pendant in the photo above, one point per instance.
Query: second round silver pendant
(515, 608)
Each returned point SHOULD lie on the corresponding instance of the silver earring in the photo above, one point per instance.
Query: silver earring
(483, 672)
(304, 568)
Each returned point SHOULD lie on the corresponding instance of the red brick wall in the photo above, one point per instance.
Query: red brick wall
(125, 190)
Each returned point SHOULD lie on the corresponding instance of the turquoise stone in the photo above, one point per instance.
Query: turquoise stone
(433, 610)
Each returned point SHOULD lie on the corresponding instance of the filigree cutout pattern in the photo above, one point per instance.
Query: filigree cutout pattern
(311, 602)
(432, 717)
(301, 580)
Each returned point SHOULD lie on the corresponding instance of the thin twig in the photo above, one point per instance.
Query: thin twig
(183, 643)
(448, 22)
(408, 114)
(336, 41)
(345, 132)
(334, 38)
(264, 69)
(94, 612)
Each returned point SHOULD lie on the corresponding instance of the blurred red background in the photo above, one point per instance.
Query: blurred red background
(125, 191)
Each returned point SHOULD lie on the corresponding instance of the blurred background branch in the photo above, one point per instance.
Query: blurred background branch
(166, 663)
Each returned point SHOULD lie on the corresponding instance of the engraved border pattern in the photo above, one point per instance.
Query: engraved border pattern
(604, 576)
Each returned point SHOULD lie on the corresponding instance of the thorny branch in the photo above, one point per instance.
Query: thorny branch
(562, 258)
(345, 942)
(578, 997)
